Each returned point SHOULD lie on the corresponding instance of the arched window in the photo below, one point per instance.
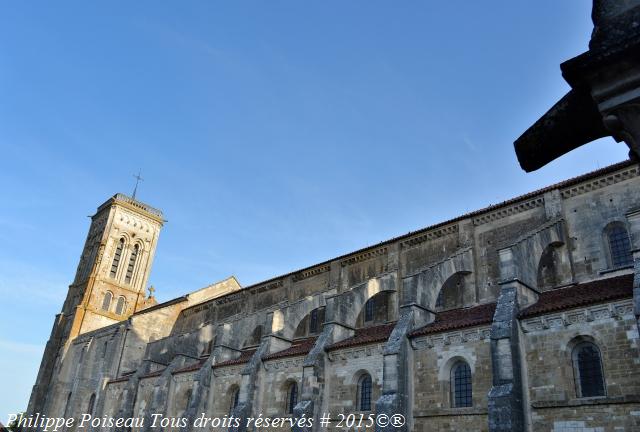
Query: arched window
(369, 308)
(461, 392)
(92, 402)
(184, 401)
(116, 258)
(587, 367)
(619, 245)
(235, 397)
(132, 264)
(292, 397)
(106, 302)
(313, 321)
(67, 407)
(120, 306)
(364, 392)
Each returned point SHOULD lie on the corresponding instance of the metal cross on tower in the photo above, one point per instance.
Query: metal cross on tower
(138, 180)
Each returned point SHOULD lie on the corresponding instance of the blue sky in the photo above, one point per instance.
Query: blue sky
(273, 135)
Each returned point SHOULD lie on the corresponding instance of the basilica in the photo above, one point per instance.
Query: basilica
(518, 316)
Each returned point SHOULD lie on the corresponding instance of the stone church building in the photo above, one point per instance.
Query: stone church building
(519, 316)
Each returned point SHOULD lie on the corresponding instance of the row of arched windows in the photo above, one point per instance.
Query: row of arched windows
(117, 258)
(121, 303)
(587, 369)
(363, 395)
(587, 365)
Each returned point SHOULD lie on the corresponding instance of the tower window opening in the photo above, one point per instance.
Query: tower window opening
(116, 258)
(106, 302)
(120, 306)
(132, 264)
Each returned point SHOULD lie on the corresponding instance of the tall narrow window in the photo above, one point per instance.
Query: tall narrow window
(132, 264)
(116, 258)
(104, 349)
(587, 366)
(120, 306)
(369, 308)
(313, 321)
(184, 403)
(364, 393)
(67, 407)
(461, 392)
(106, 302)
(292, 397)
(235, 397)
(619, 246)
(92, 402)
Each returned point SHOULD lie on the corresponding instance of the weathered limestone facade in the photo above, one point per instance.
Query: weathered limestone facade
(474, 324)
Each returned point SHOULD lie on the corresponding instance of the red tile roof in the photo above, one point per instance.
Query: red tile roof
(192, 367)
(297, 348)
(365, 335)
(458, 318)
(598, 291)
(245, 356)
(153, 374)
(125, 377)
(117, 380)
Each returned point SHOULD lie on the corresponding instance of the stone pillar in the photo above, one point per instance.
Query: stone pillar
(397, 372)
(506, 410)
(161, 390)
(203, 383)
(397, 368)
(249, 380)
(313, 367)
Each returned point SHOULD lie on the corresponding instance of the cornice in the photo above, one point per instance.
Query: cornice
(314, 271)
(356, 352)
(431, 235)
(510, 210)
(452, 338)
(364, 256)
(616, 310)
(282, 364)
(601, 182)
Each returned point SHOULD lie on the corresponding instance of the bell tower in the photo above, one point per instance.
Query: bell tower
(114, 267)
(110, 282)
